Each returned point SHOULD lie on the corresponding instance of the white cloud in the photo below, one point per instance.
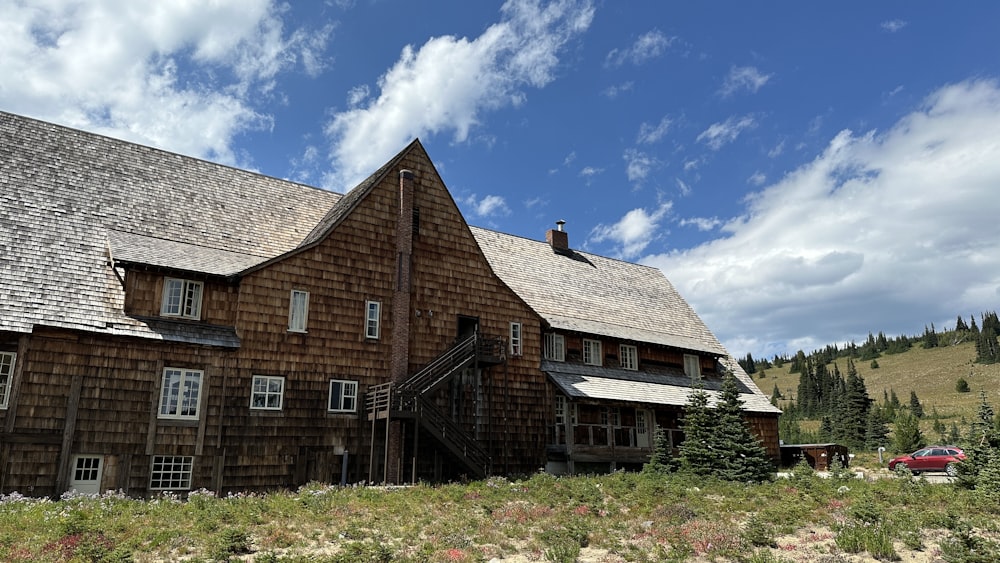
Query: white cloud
(614, 91)
(185, 77)
(638, 165)
(648, 46)
(895, 225)
(777, 150)
(892, 26)
(743, 78)
(701, 223)
(448, 83)
(653, 133)
(758, 178)
(357, 95)
(633, 232)
(487, 206)
(683, 187)
(719, 134)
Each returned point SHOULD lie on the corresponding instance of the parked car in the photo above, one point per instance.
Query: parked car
(931, 458)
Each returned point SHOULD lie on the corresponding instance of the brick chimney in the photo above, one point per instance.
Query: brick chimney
(557, 238)
(399, 354)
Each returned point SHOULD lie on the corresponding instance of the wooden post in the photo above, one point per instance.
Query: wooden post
(69, 427)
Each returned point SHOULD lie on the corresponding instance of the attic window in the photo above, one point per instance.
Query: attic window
(692, 366)
(592, 352)
(181, 298)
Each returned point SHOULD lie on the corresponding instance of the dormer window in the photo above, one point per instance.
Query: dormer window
(592, 352)
(629, 357)
(555, 347)
(692, 366)
(181, 298)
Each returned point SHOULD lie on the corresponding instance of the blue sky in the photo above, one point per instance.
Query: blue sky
(804, 173)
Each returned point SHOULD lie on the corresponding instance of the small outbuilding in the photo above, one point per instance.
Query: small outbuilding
(819, 456)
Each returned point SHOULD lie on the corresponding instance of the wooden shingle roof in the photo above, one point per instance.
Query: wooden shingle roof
(69, 198)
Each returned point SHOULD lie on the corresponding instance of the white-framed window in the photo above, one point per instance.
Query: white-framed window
(555, 347)
(560, 408)
(628, 356)
(6, 376)
(181, 298)
(85, 474)
(298, 311)
(170, 472)
(267, 393)
(592, 352)
(611, 416)
(692, 366)
(180, 393)
(515, 339)
(343, 396)
(373, 318)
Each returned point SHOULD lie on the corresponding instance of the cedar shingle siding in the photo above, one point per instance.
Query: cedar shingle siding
(91, 227)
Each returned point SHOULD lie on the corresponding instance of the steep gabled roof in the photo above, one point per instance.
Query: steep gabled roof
(67, 197)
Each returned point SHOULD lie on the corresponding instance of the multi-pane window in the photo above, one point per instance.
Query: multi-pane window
(560, 408)
(592, 352)
(298, 311)
(629, 356)
(267, 392)
(692, 366)
(343, 396)
(611, 416)
(373, 319)
(555, 347)
(6, 376)
(170, 472)
(515, 339)
(181, 298)
(180, 393)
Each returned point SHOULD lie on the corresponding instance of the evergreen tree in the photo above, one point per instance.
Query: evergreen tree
(748, 364)
(984, 444)
(953, 436)
(987, 347)
(960, 324)
(874, 364)
(776, 395)
(825, 429)
(876, 430)
(907, 436)
(853, 419)
(930, 337)
(697, 453)
(660, 461)
(745, 458)
(915, 407)
(962, 386)
(973, 327)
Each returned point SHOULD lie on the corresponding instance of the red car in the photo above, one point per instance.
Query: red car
(931, 458)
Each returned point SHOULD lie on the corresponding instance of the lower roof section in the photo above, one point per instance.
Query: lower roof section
(610, 384)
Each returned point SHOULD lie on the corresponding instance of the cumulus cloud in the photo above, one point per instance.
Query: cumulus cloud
(701, 223)
(648, 46)
(720, 134)
(185, 77)
(448, 83)
(899, 224)
(638, 165)
(590, 171)
(892, 26)
(614, 91)
(633, 232)
(743, 78)
(487, 206)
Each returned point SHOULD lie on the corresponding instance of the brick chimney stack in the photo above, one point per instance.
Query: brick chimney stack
(557, 238)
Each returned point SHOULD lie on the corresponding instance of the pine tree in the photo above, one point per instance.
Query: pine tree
(745, 458)
(697, 454)
(876, 430)
(907, 436)
(984, 444)
(915, 407)
(960, 324)
(853, 419)
(661, 461)
(953, 436)
(930, 337)
(776, 395)
(962, 386)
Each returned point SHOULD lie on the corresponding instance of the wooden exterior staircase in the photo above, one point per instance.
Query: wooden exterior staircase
(411, 399)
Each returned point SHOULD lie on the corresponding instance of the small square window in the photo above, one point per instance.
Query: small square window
(629, 357)
(267, 393)
(692, 366)
(343, 396)
(171, 472)
(515, 339)
(555, 347)
(180, 393)
(181, 298)
(6, 376)
(592, 352)
(373, 319)
(298, 311)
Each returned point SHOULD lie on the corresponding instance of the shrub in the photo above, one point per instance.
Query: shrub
(962, 386)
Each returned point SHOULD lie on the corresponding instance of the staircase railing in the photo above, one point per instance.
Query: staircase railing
(463, 445)
(434, 374)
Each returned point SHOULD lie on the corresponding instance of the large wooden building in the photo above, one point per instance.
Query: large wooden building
(169, 324)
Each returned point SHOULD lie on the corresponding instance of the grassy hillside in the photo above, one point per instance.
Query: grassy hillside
(931, 373)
